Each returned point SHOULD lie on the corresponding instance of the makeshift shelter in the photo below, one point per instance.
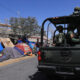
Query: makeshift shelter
(1, 47)
(31, 44)
(4, 57)
(13, 53)
(6, 42)
(19, 50)
(19, 41)
(25, 48)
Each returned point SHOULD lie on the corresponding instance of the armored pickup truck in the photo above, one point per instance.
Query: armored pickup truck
(63, 58)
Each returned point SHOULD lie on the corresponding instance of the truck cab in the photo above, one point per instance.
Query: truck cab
(63, 58)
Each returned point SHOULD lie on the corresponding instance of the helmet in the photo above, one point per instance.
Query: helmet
(59, 28)
(77, 9)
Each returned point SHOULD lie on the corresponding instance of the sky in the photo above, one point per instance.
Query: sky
(41, 9)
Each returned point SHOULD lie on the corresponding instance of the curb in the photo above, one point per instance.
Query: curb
(11, 61)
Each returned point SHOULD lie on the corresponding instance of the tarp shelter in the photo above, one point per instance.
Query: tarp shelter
(31, 44)
(25, 48)
(19, 41)
(4, 57)
(1, 47)
(6, 42)
(13, 53)
(19, 50)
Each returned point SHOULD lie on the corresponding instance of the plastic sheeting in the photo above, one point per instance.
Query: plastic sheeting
(31, 44)
(1, 47)
(4, 57)
(19, 50)
(19, 41)
(13, 53)
(25, 48)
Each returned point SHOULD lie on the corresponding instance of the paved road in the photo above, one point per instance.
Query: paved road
(23, 70)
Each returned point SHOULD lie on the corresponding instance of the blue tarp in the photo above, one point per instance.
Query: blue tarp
(19, 41)
(1, 47)
(20, 51)
(31, 44)
(4, 57)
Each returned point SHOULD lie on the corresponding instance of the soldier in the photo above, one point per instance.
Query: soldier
(72, 35)
(59, 39)
(76, 11)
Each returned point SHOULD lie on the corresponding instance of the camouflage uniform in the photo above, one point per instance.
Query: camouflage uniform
(73, 39)
(59, 38)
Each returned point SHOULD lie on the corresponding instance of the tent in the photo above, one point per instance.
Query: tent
(31, 44)
(13, 53)
(19, 50)
(19, 41)
(25, 48)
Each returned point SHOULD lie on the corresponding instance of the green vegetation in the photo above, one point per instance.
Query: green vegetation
(25, 25)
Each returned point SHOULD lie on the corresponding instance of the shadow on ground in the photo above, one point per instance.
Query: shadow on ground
(43, 76)
(39, 76)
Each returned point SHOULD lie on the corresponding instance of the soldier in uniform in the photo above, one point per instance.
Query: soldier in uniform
(71, 34)
(59, 39)
(76, 11)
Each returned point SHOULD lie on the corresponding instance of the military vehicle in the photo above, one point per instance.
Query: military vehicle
(63, 58)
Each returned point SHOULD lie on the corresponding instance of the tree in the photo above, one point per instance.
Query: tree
(14, 23)
(25, 25)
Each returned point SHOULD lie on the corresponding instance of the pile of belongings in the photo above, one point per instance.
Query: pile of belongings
(8, 50)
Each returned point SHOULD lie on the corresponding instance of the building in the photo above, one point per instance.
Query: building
(4, 25)
(5, 30)
(35, 37)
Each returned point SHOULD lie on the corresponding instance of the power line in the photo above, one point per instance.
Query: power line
(8, 9)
